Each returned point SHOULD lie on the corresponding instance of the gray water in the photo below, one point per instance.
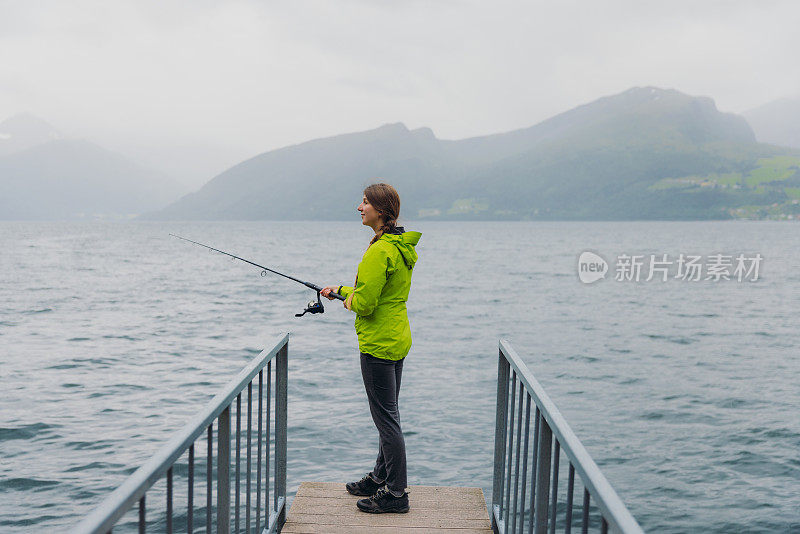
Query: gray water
(685, 393)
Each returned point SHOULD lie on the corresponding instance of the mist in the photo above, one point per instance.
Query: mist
(192, 88)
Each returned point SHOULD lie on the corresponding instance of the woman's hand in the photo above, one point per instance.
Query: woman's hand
(327, 291)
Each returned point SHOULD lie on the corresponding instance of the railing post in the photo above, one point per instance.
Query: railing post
(551, 435)
(543, 476)
(281, 401)
(219, 411)
(503, 368)
(223, 472)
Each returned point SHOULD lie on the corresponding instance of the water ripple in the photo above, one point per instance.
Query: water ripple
(27, 432)
(684, 394)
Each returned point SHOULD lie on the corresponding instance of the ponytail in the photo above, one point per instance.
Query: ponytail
(386, 228)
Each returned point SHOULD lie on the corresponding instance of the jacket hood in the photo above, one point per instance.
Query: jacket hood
(405, 243)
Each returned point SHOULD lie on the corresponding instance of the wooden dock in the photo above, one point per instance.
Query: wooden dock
(327, 508)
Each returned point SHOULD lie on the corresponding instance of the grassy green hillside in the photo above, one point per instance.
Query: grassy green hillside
(770, 189)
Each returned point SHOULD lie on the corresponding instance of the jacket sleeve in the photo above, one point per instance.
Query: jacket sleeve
(345, 291)
(370, 281)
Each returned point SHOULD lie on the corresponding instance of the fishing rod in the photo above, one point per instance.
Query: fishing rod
(313, 307)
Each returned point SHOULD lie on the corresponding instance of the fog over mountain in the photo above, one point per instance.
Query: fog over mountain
(25, 130)
(44, 175)
(777, 122)
(646, 153)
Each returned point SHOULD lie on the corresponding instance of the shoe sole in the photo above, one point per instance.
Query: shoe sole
(398, 511)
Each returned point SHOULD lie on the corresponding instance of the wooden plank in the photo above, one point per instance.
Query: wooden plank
(303, 528)
(427, 492)
(333, 529)
(326, 507)
(460, 501)
(409, 519)
(314, 505)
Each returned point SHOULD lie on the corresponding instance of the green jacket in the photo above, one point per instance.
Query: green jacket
(380, 295)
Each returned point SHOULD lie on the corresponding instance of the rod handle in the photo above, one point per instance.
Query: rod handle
(317, 288)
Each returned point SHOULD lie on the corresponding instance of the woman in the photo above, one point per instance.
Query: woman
(384, 338)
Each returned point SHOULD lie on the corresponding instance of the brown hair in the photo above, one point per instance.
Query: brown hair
(386, 201)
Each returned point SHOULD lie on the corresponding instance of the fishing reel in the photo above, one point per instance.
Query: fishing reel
(313, 307)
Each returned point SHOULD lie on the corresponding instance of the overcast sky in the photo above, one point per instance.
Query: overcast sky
(195, 86)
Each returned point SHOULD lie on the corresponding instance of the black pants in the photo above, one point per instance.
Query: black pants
(382, 382)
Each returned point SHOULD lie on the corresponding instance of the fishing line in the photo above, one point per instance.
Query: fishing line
(313, 307)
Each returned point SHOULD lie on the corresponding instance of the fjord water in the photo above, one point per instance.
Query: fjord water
(112, 335)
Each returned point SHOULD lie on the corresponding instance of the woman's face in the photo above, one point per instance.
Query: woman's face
(369, 215)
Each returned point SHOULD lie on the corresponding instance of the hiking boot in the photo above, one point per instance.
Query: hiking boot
(364, 487)
(384, 502)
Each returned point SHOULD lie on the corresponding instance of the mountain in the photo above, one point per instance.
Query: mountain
(647, 110)
(600, 160)
(67, 179)
(24, 130)
(646, 153)
(291, 183)
(777, 122)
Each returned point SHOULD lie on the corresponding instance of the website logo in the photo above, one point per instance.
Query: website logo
(686, 267)
(591, 267)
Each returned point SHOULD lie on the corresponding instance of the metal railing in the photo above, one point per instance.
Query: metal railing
(527, 500)
(167, 461)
